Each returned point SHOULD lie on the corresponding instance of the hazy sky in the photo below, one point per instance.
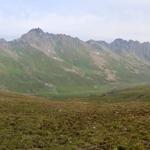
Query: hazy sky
(86, 19)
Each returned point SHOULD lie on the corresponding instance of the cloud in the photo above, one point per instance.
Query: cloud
(98, 20)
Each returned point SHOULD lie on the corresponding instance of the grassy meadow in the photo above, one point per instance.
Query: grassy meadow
(93, 123)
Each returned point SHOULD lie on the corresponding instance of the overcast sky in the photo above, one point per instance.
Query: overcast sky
(86, 19)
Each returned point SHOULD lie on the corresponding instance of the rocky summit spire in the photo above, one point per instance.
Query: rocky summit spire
(36, 30)
(32, 34)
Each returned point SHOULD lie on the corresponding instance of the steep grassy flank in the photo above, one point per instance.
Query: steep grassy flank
(33, 123)
(50, 65)
(139, 93)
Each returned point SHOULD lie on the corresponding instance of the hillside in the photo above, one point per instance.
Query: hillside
(34, 123)
(132, 94)
(59, 65)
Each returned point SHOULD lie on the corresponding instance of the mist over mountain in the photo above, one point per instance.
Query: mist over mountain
(47, 64)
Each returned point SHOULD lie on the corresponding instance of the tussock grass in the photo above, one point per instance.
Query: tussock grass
(30, 123)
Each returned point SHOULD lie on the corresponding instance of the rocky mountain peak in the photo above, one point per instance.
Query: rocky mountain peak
(36, 30)
(33, 33)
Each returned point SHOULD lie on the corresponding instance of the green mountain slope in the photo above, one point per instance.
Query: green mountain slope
(139, 93)
(46, 64)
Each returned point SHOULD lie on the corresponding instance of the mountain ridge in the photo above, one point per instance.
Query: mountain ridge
(42, 31)
(47, 64)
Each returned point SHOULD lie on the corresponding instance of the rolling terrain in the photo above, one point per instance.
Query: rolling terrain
(29, 122)
(58, 65)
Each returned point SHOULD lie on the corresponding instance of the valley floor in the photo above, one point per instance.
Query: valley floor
(29, 123)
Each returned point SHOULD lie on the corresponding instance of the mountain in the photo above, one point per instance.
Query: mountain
(45, 64)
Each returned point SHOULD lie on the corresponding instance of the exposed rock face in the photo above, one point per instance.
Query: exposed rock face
(139, 50)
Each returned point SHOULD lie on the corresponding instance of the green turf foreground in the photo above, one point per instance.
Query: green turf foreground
(30, 123)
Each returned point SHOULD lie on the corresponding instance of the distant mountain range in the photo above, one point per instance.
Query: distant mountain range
(47, 64)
